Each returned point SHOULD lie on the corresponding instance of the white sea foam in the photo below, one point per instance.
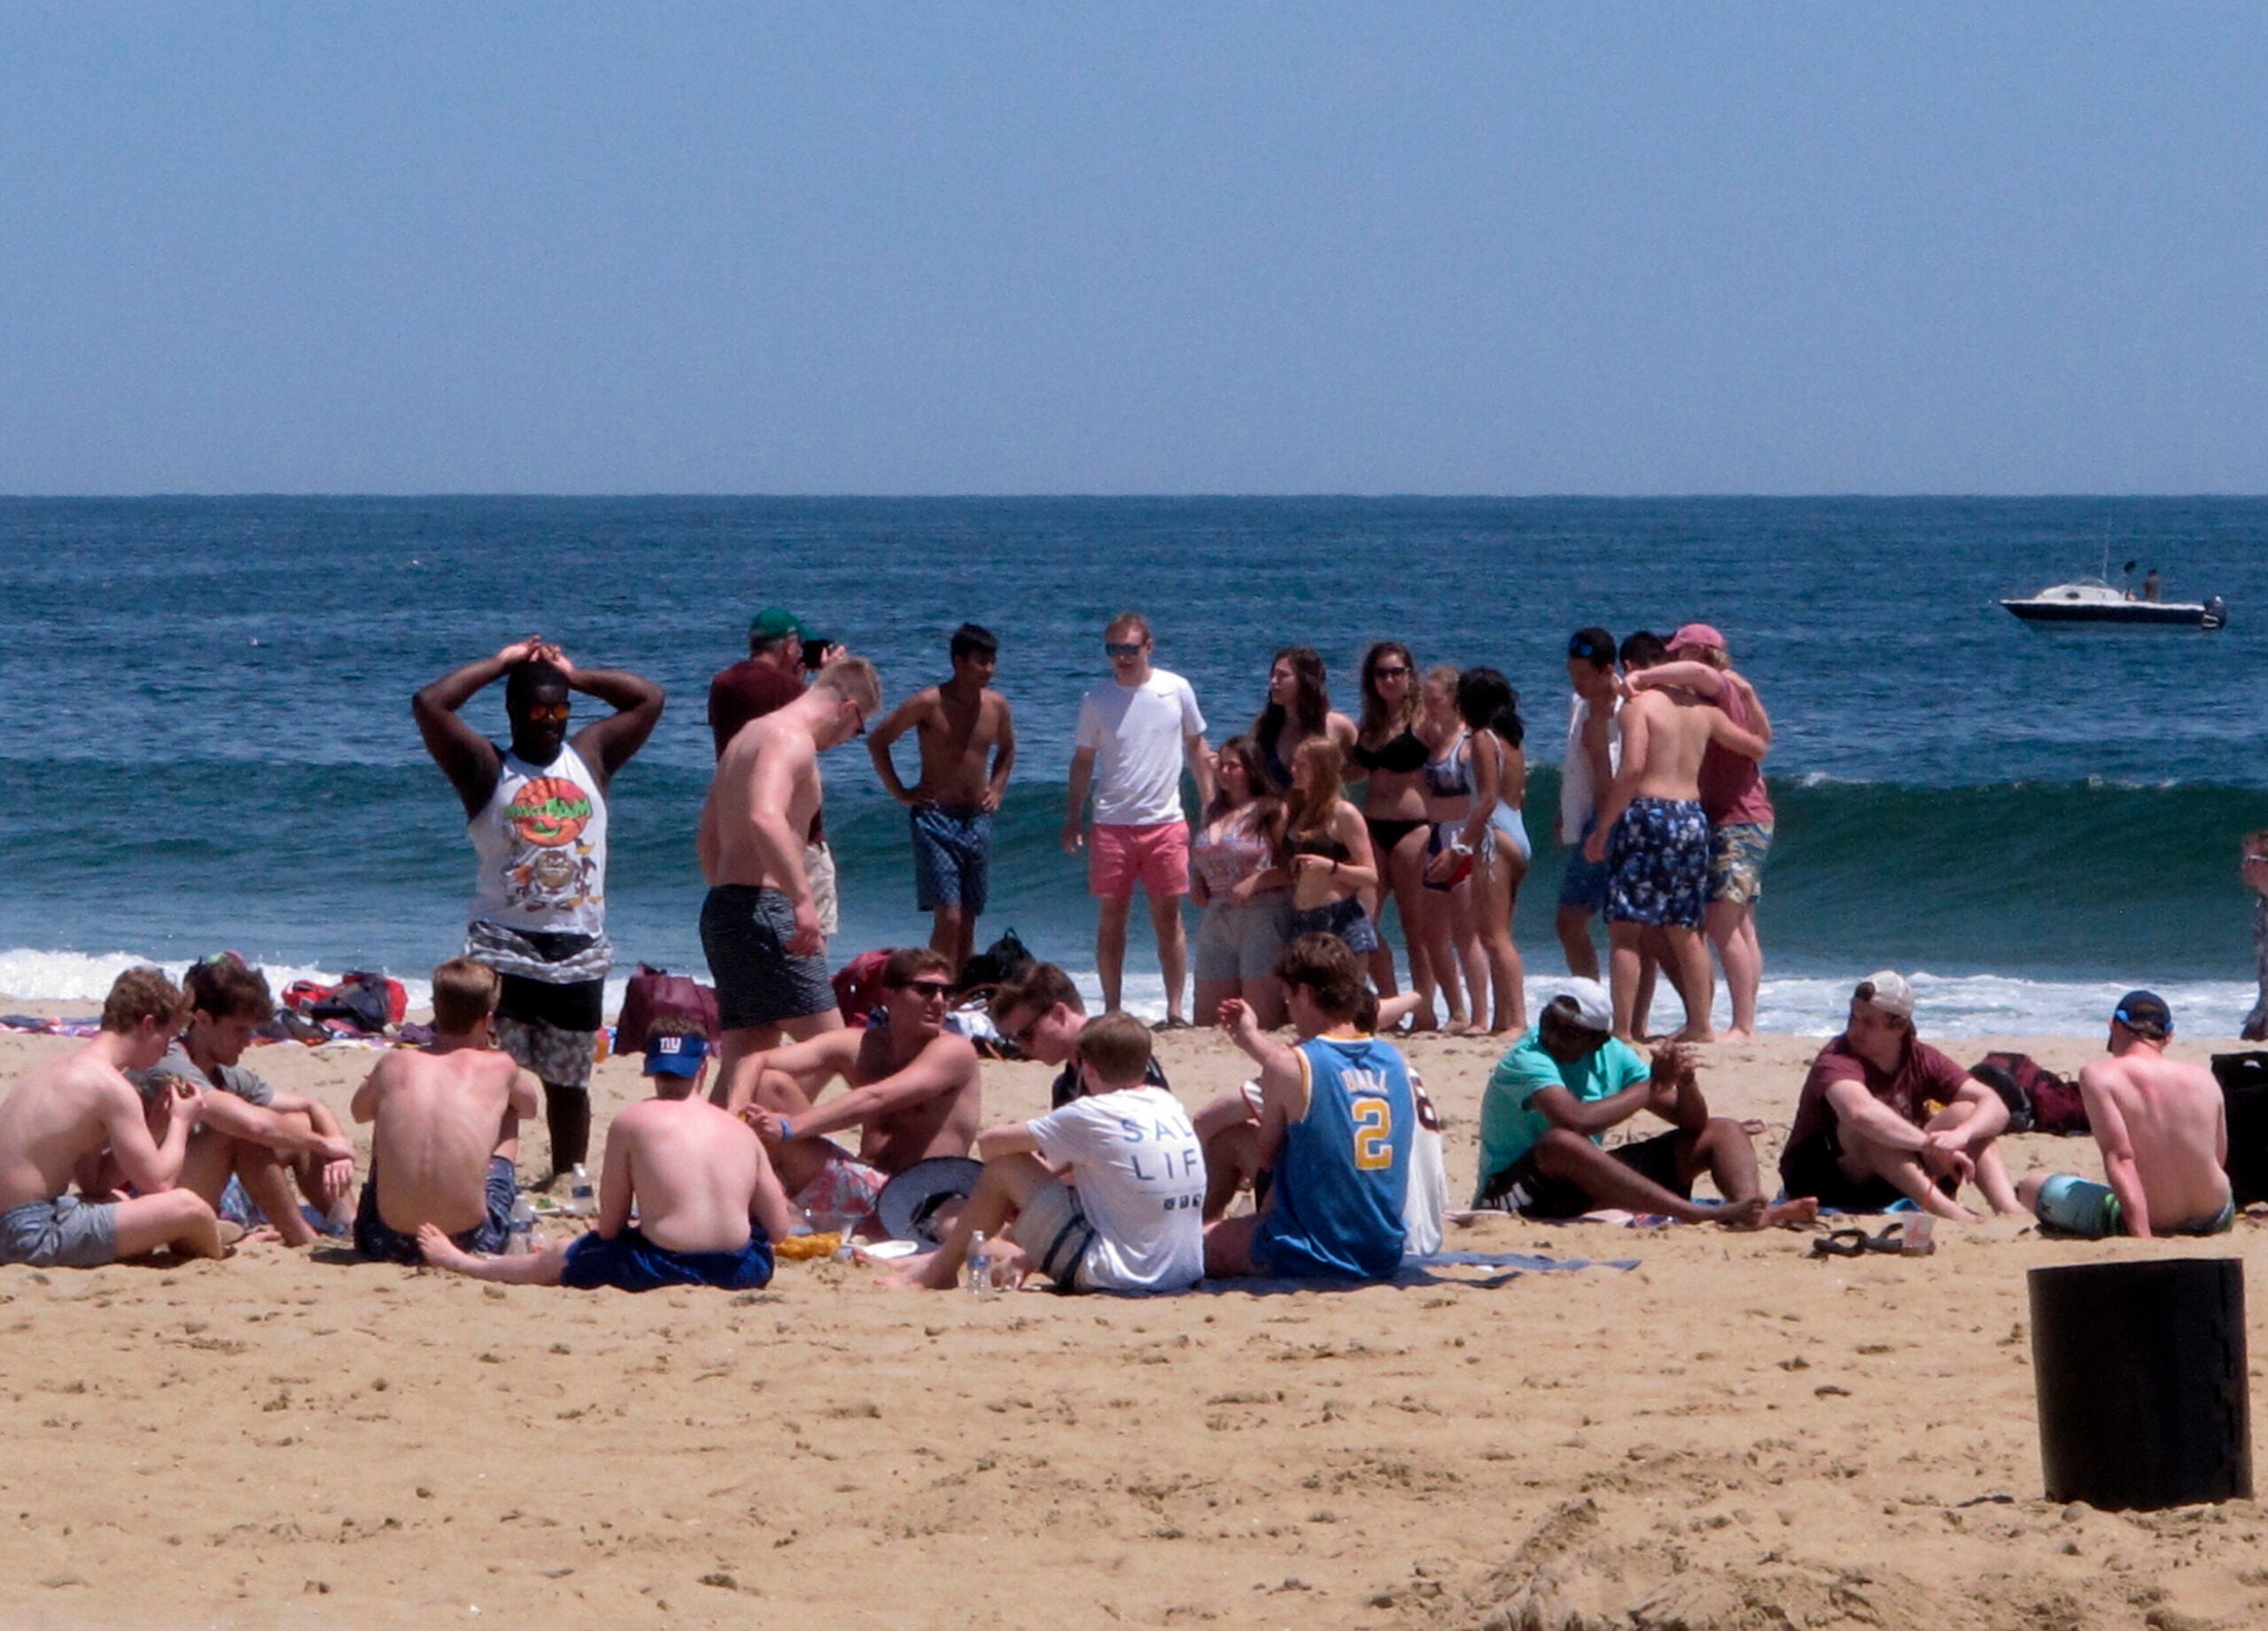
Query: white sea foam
(81, 976)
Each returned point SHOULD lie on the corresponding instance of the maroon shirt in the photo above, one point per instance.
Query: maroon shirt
(1923, 1074)
(1732, 784)
(748, 690)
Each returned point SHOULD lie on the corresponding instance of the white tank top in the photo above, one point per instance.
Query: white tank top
(541, 843)
(1578, 798)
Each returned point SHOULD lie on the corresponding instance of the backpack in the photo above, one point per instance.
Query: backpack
(655, 994)
(2038, 1100)
(858, 985)
(996, 964)
(369, 1002)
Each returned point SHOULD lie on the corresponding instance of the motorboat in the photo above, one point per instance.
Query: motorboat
(2091, 599)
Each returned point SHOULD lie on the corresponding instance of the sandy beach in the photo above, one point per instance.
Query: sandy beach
(1732, 1434)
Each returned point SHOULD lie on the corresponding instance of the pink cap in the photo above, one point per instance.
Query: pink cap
(1698, 635)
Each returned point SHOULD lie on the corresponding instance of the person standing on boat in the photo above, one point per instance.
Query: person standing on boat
(536, 815)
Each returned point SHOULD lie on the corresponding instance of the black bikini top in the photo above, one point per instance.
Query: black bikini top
(1315, 844)
(1403, 756)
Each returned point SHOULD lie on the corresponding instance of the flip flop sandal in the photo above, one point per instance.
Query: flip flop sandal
(1842, 1243)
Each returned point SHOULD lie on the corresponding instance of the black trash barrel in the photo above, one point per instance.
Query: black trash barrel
(2140, 1368)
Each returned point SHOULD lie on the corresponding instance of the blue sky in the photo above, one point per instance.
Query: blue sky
(1441, 248)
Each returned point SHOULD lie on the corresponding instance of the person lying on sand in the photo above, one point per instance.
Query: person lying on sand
(71, 1114)
(446, 1128)
(2162, 1128)
(1106, 1192)
(916, 1091)
(1337, 1119)
(1568, 1080)
(245, 1128)
(1040, 1010)
(709, 1209)
(1864, 1135)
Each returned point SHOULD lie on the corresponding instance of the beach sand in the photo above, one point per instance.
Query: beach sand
(1731, 1435)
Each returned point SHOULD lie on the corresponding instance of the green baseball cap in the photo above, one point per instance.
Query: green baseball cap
(774, 624)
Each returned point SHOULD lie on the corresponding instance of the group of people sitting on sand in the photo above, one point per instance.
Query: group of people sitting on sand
(152, 1135)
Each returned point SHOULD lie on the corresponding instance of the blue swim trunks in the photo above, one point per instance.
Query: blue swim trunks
(381, 1243)
(952, 857)
(1584, 886)
(2077, 1205)
(632, 1262)
(1657, 864)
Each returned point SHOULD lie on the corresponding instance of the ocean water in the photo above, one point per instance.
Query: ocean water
(207, 741)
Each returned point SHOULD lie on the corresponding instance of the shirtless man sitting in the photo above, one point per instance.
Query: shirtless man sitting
(916, 1091)
(1864, 1135)
(247, 1129)
(1653, 836)
(2162, 1128)
(760, 921)
(71, 1111)
(709, 1207)
(446, 1128)
(967, 740)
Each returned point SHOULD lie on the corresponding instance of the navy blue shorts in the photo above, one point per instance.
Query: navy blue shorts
(377, 1240)
(1657, 864)
(744, 934)
(632, 1262)
(952, 857)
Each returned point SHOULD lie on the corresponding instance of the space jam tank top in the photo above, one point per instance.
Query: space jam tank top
(541, 845)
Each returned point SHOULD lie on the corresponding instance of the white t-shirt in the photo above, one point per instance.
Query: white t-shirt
(1578, 798)
(1138, 733)
(1140, 1173)
(1424, 1209)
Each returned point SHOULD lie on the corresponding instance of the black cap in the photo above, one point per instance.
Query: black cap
(2145, 1013)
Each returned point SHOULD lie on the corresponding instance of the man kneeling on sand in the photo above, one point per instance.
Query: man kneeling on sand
(707, 1206)
(76, 1113)
(1106, 1192)
(447, 1128)
(1864, 1136)
(2162, 1128)
(916, 1091)
(1568, 1080)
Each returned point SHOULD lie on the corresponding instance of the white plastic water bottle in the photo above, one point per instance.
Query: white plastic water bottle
(979, 1266)
(519, 1237)
(582, 1199)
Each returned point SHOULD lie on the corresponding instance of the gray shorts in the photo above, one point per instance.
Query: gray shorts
(744, 933)
(1053, 1230)
(1242, 942)
(66, 1232)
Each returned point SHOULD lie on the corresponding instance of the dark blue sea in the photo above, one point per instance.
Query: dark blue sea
(207, 740)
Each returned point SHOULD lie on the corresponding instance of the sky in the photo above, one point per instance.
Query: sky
(902, 248)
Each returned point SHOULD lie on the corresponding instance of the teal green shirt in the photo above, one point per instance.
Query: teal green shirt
(1510, 1125)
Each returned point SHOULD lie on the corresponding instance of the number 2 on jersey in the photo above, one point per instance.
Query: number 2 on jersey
(1373, 1134)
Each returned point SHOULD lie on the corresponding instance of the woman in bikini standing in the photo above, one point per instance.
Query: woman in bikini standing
(1445, 909)
(1299, 711)
(1390, 756)
(1494, 837)
(1327, 849)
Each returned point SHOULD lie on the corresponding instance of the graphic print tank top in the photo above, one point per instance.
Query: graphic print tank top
(541, 845)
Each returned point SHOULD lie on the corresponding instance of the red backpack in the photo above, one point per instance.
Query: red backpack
(2038, 1100)
(858, 985)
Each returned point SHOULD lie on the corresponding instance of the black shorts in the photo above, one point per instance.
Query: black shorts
(744, 933)
(579, 1007)
(1815, 1168)
(1520, 1188)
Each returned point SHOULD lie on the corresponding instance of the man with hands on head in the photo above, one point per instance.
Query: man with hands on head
(1565, 1083)
(537, 814)
(1864, 1136)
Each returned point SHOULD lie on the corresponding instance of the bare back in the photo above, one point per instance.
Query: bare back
(944, 1123)
(63, 1111)
(696, 1171)
(957, 739)
(437, 1119)
(760, 805)
(2171, 1113)
(1677, 729)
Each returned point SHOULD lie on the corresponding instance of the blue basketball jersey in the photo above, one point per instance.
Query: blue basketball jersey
(1334, 1209)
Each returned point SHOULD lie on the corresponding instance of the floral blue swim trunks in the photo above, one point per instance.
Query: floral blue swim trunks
(1657, 864)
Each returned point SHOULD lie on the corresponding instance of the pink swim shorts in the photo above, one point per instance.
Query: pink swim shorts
(1156, 857)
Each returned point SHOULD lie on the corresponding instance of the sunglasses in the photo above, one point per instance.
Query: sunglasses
(1123, 648)
(1390, 673)
(1022, 1034)
(928, 987)
(548, 713)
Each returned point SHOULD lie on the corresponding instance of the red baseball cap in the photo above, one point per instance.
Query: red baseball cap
(1698, 635)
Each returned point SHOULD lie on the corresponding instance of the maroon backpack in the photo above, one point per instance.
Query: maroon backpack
(2038, 1100)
